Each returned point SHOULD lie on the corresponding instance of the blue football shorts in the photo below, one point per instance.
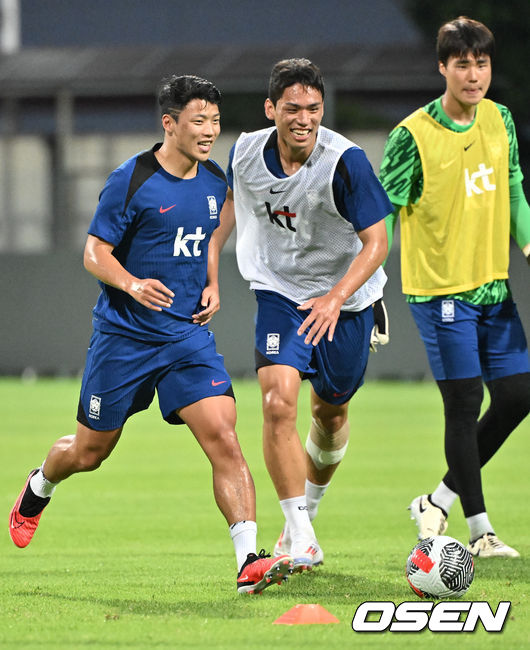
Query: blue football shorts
(335, 369)
(464, 340)
(122, 374)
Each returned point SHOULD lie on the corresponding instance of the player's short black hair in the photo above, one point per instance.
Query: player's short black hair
(462, 35)
(176, 92)
(288, 72)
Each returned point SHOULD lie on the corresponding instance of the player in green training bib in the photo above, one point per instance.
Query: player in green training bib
(452, 171)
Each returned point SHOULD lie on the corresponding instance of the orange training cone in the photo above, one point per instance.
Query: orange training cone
(305, 614)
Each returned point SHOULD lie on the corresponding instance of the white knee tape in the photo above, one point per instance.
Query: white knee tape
(336, 445)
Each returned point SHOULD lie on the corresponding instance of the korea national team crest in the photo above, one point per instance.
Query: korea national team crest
(273, 343)
(95, 407)
(212, 206)
(448, 311)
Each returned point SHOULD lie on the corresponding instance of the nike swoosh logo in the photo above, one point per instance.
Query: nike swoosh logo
(14, 519)
(242, 578)
(276, 191)
(469, 145)
(162, 210)
(218, 383)
(421, 508)
(341, 394)
(447, 164)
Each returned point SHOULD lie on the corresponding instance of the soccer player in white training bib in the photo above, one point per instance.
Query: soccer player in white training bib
(452, 171)
(149, 246)
(310, 240)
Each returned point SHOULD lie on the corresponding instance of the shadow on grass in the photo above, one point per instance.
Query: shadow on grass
(314, 587)
(229, 608)
(318, 586)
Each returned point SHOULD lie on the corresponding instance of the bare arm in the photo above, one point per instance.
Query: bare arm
(325, 310)
(210, 295)
(99, 260)
(227, 220)
(520, 219)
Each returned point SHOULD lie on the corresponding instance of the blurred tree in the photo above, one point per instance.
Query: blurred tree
(510, 23)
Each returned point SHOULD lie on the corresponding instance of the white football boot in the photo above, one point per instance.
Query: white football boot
(489, 545)
(307, 552)
(430, 519)
(283, 545)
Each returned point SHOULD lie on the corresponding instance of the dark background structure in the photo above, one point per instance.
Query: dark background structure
(82, 78)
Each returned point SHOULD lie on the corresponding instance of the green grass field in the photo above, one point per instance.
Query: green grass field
(136, 554)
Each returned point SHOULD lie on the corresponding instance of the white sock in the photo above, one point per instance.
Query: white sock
(443, 497)
(40, 485)
(313, 495)
(479, 525)
(297, 517)
(243, 534)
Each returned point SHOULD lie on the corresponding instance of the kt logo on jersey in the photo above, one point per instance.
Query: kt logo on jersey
(483, 176)
(192, 240)
(286, 214)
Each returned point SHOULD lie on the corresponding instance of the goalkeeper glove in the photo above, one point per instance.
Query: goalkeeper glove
(380, 330)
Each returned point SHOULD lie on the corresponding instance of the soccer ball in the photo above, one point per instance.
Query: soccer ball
(440, 567)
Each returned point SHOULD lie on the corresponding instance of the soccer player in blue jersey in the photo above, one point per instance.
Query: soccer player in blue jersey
(452, 171)
(310, 239)
(148, 245)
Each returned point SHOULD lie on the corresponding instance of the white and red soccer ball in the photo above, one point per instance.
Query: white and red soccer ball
(440, 567)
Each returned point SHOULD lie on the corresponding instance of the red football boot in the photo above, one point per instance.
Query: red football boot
(22, 528)
(261, 571)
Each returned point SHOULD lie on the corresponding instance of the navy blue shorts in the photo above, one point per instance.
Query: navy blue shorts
(122, 374)
(335, 369)
(464, 340)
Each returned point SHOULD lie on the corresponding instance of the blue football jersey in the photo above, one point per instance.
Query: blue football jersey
(160, 226)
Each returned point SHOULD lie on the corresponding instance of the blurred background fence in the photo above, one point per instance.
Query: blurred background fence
(78, 96)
